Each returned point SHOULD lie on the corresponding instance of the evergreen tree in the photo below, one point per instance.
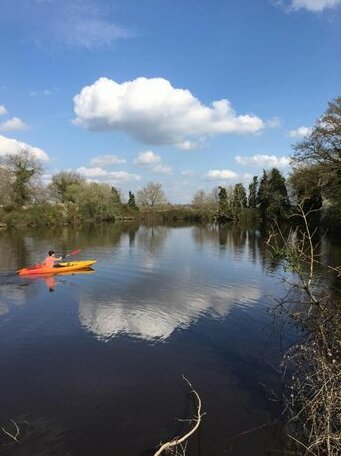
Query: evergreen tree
(222, 199)
(263, 195)
(279, 201)
(253, 187)
(273, 195)
(131, 201)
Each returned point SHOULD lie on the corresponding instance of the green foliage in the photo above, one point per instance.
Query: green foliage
(20, 172)
(323, 145)
(61, 182)
(317, 161)
(305, 182)
(95, 201)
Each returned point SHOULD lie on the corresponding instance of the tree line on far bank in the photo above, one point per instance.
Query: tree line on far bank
(314, 183)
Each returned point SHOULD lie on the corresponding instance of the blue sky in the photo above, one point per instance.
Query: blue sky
(191, 94)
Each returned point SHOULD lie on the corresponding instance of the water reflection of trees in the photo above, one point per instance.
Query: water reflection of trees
(152, 238)
(233, 238)
(22, 249)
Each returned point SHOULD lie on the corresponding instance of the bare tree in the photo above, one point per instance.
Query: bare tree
(152, 195)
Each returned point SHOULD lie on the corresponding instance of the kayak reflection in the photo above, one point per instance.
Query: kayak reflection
(51, 280)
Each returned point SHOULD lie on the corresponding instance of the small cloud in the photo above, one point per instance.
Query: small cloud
(147, 158)
(162, 169)
(221, 174)
(187, 145)
(300, 132)
(15, 123)
(263, 161)
(44, 92)
(3, 110)
(106, 160)
(92, 172)
(97, 172)
(12, 146)
(123, 176)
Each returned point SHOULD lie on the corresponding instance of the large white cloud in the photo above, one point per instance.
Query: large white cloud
(314, 5)
(12, 146)
(153, 112)
(263, 161)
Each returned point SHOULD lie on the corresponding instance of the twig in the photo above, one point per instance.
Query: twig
(197, 419)
(17, 431)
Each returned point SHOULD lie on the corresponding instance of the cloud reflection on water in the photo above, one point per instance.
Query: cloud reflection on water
(156, 317)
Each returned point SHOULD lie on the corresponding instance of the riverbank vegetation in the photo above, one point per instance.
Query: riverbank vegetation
(312, 366)
(68, 198)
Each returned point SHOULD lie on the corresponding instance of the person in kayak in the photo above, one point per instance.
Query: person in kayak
(50, 259)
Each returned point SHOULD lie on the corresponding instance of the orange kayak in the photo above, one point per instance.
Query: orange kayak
(59, 268)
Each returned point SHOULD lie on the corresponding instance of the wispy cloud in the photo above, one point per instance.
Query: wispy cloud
(187, 173)
(87, 24)
(45, 92)
(106, 160)
(313, 6)
(162, 169)
(152, 111)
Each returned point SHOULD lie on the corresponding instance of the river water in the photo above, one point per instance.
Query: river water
(92, 363)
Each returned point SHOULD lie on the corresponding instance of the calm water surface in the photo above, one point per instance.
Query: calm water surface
(92, 363)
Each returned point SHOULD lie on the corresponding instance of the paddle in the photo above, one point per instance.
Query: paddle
(74, 252)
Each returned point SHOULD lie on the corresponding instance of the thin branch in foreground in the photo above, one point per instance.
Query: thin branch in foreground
(179, 441)
(12, 436)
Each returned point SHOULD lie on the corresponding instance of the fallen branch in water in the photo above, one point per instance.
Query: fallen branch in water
(17, 431)
(181, 441)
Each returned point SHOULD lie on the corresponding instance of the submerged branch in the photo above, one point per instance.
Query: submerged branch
(179, 441)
